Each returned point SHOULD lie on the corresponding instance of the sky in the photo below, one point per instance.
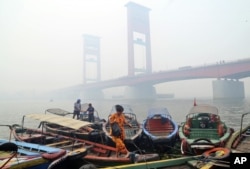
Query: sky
(42, 40)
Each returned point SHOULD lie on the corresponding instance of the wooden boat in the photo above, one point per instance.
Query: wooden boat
(132, 134)
(68, 126)
(239, 142)
(98, 154)
(16, 154)
(203, 130)
(185, 162)
(160, 127)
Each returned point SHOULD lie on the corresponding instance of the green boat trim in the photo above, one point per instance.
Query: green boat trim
(158, 164)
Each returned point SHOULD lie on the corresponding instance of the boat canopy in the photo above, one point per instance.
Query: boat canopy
(158, 110)
(58, 111)
(204, 108)
(63, 121)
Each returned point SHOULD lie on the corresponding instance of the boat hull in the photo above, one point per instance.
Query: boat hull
(168, 163)
(28, 155)
(94, 135)
(97, 153)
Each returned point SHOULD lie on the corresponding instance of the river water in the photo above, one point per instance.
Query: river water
(11, 112)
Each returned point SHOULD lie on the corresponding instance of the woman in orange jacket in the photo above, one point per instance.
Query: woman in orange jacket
(119, 118)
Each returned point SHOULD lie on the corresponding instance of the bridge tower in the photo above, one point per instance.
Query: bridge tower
(139, 50)
(91, 64)
(91, 59)
(139, 47)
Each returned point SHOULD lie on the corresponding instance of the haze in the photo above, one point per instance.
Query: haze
(42, 40)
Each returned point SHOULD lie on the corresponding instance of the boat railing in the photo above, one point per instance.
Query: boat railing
(241, 123)
(159, 125)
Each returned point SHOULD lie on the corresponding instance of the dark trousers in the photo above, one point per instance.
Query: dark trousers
(91, 118)
(77, 114)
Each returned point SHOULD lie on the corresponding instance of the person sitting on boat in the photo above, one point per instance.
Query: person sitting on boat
(120, 119)
(77, 109)
(90, 111)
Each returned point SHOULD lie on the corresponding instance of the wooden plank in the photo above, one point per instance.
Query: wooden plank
(29, 153)
(58, 143)
(71, 145)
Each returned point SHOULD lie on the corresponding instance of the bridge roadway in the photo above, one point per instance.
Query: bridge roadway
(229, 70)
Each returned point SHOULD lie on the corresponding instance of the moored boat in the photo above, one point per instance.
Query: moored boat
(160, 127)
(68, 126)
(239, 142)
(132, 134)
(186, 162)
(97, 124)
(98, 154)
(203, 130)
(16, 154)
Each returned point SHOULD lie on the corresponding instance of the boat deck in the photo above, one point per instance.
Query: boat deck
(204, 133)
(243, 146)
(157, 127)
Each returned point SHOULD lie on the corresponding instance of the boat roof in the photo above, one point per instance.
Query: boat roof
(204, 108)
(158, 110)
(58, 111)
(63, 121)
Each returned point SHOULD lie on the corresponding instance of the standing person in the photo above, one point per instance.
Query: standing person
(90, 111)
(77, 109)
(119, 118)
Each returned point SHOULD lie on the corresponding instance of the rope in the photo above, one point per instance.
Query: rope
(141, 153)
(14, 155)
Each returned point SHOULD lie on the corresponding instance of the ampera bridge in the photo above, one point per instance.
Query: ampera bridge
(227, 81)
(139, 83)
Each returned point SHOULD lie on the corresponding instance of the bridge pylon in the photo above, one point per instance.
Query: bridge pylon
(144, 91)
(91, 59)
(228, 89)
(139, 45)
(91, 65)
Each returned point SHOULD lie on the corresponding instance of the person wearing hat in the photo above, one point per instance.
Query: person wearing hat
(77, 109)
